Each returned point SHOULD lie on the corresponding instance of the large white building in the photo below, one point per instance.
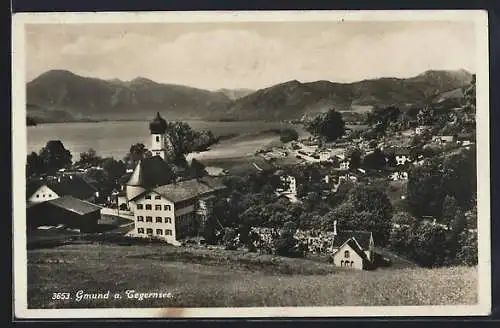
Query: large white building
(162, 207)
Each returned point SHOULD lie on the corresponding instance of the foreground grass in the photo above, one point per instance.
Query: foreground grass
(199, 278)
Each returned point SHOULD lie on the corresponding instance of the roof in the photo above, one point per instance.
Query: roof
(72, 186)
(362, 237)
(75, 205)
(75, 186)
(354, 246)
(158, 125)
(33, 186)
(151, 172)
(188, 189)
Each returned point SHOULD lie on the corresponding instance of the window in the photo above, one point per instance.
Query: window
(37, 196)
(43, 195)
(139, 206)
(158, 197)
(148, 206)
(159, 232)
(168, 232)
(342, 263)
(346, 254)
(140, 230)
(149, 231)
(140, 218)
(168, 220)
(158, 219)
(158, 207)
(157, 138)
(149, 219)
(148, 197)
(352, 262)
(166, 207)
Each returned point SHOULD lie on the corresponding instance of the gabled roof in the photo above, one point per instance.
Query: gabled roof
(74, 186)
(75, 205)
(188, 189)
(362, 237)
(33, 186)
(151, 172)
(354, 246)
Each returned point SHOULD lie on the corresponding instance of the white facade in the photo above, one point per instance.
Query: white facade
(402, 159)
(344, 165)
(292, 185)
(399, 176)
(159, 145)
(154, 216)
(346, 257)
(42, 194)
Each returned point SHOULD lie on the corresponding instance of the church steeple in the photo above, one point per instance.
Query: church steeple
(160, 143)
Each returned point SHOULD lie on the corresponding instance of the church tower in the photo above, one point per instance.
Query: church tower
(160, 143)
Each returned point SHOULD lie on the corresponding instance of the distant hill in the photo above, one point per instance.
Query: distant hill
(60, 96)
(234, 94)
(60, 90)
(293, 99)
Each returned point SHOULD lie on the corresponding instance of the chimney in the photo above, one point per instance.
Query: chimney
(335, 227)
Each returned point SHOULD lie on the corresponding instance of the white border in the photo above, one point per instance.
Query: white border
(19, 147)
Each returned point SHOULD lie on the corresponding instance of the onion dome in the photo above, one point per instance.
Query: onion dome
(158, 125)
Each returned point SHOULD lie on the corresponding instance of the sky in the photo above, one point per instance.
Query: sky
(250, 54)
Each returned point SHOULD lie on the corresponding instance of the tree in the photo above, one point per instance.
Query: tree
(196, 169)
(375, 160)
(182, 137)
(425, 116)
(89, 158)
(286, 244)
(230, 239)
(329, 125)
(54, 156)
(450, 209)
(354, 156)
(34, 165)
(373, 211)
(114, 169)
(287, 135)
(381, 118)
(136, 153)
(429, 246)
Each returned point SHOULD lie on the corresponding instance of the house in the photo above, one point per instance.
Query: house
(353, 249)
(421, 129)
(441, 140)
(65, 210)
(76, 186)
(399, 175)
(344, 164)
(173, 211)
(402, 156)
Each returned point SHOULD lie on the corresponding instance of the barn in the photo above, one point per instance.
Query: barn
(67, 210)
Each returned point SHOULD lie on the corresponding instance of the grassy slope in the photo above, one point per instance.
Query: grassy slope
(204, 278)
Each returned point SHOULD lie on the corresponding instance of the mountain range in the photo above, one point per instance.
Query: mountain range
(62, 96)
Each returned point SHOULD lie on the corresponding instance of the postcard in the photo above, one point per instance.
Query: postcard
(251, 164)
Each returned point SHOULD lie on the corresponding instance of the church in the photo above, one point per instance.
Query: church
(163, 207)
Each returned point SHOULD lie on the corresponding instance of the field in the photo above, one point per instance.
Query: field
(219, 278)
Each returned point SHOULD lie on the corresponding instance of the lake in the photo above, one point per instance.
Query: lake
(114, 138)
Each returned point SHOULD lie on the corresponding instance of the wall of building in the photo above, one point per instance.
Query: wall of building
(159, 208)
(354, 258)
(43, 194)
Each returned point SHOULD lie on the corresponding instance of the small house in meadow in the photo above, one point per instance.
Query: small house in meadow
(353, 249)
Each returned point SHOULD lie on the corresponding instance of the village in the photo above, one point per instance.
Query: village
(157, 200)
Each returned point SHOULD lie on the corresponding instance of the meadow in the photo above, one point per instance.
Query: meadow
(200, 277)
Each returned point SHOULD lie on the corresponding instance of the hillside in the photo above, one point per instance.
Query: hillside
(60, 96)
(293, 99)
(79, 96)
(205, 278)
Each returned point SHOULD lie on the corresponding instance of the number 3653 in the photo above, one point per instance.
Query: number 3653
(60, 296)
